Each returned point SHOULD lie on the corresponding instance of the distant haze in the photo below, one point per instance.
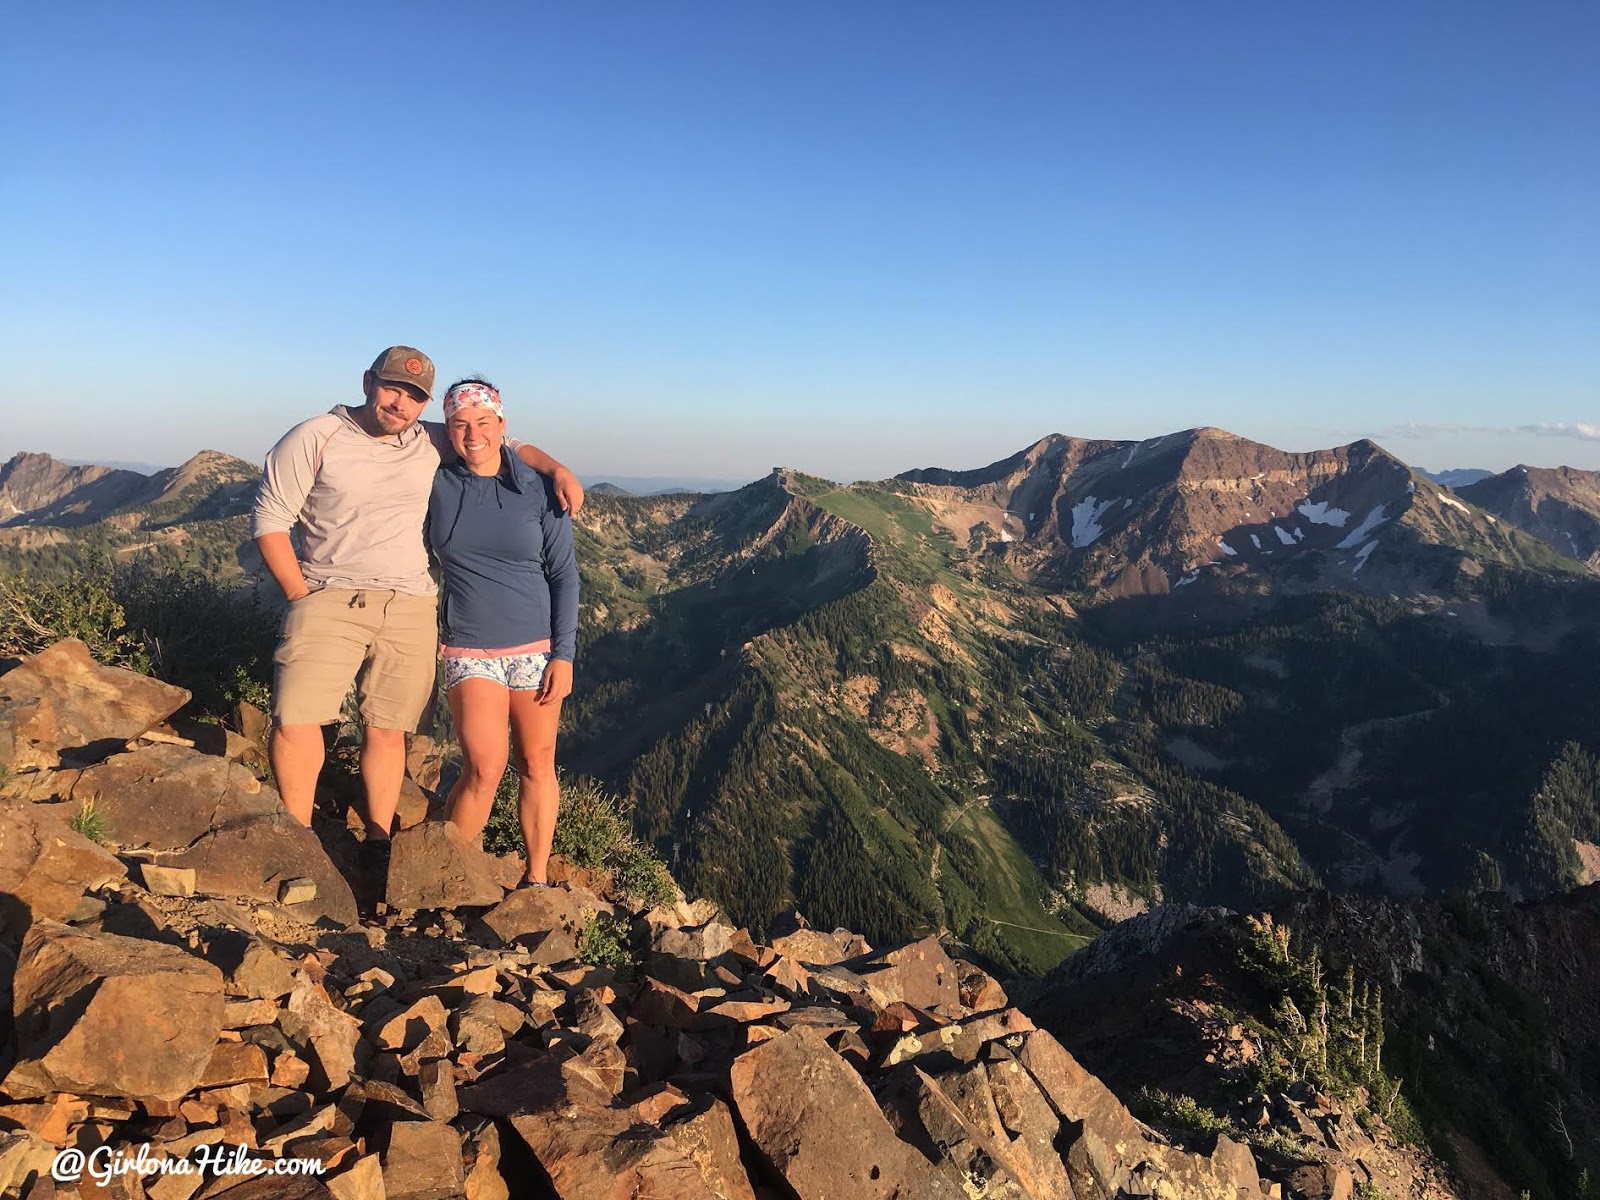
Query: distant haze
(649, 485)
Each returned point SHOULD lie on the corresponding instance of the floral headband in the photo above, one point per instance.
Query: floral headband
(472, 395)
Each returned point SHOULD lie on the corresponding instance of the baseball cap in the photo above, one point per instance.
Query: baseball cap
(407, 365)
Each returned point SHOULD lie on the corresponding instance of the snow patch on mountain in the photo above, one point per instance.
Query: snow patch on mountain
(1284, 536)
(1086, 516)
(1360, 534)
(1321, 513)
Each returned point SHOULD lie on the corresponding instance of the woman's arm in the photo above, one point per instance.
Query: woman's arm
(561, 574)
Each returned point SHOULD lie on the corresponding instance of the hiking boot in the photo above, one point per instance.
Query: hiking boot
(373, 858)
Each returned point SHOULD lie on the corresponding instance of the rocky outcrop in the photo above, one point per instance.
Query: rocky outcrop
(45, 868)
(1182, 985)
(102, 1015)
(407, 1055)
(433, 866)
(36, 489)
(199, 812)
(60, 703)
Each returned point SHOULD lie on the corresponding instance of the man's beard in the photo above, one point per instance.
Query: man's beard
(391, 422)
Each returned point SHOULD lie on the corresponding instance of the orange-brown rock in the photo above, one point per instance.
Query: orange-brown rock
(326, 1036)
(920, 974)
(234, 1063)
(104, 1015)
(251, 968)
(707, 1135)
(927, 1118)
(810, 946)
(45, 867)
(93, 708)
(423, 1162)
(663, 1005)
(432, 866)
(816, 1124)
(596, 1152)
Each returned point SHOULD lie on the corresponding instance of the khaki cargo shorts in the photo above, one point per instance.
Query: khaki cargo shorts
(386, 643)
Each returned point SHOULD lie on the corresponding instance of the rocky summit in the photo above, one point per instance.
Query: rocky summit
(198, 977)
(1209, 510)
(1560, 506)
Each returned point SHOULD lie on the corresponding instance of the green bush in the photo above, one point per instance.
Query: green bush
(173, 622)
(593, 829)
(1181, 1112)
(35, 614)
(201, 634)
(90, 822)
(604, 942)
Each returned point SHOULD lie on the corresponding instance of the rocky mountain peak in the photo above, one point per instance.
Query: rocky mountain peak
(1558, 505)
(37, 487)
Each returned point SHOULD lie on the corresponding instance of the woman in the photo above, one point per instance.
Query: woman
(508, 616)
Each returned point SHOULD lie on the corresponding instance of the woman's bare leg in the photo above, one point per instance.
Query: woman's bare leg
(533, 729)
(479, 707)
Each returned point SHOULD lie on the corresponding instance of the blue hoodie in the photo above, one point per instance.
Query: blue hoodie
(510, 572)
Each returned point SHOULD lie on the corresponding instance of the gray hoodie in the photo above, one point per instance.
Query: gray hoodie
(358, 500)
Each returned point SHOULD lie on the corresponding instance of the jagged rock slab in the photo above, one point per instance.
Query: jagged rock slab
(929, 1120)
(433, 866)
(23, 1157)
(595, 1152)
(423, 1162)
(45, 867)
(168, 797)
(27, 733)
(1030, 1126)
(329, 1036)
(254, 858)
(534, 915)
(810, 946)
(207, 814)
(249, 966)
(92, 708)
(921, 974)
(102, 1015)
(816, 1124)
(711, 1140)
(1074, 1093)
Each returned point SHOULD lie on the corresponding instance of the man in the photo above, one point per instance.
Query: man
(361, 599)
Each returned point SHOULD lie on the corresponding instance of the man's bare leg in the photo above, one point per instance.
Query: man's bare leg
(383, 767)
(295, 752)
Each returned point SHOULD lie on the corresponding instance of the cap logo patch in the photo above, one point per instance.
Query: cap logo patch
(413, 366)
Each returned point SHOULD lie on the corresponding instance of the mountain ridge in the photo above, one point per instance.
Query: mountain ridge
(37, 489)
(919, 705)
(1558, 505)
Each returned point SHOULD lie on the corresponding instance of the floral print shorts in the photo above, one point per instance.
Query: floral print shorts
(518, 672)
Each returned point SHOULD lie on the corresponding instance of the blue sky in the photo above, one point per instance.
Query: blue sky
(852, 238)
